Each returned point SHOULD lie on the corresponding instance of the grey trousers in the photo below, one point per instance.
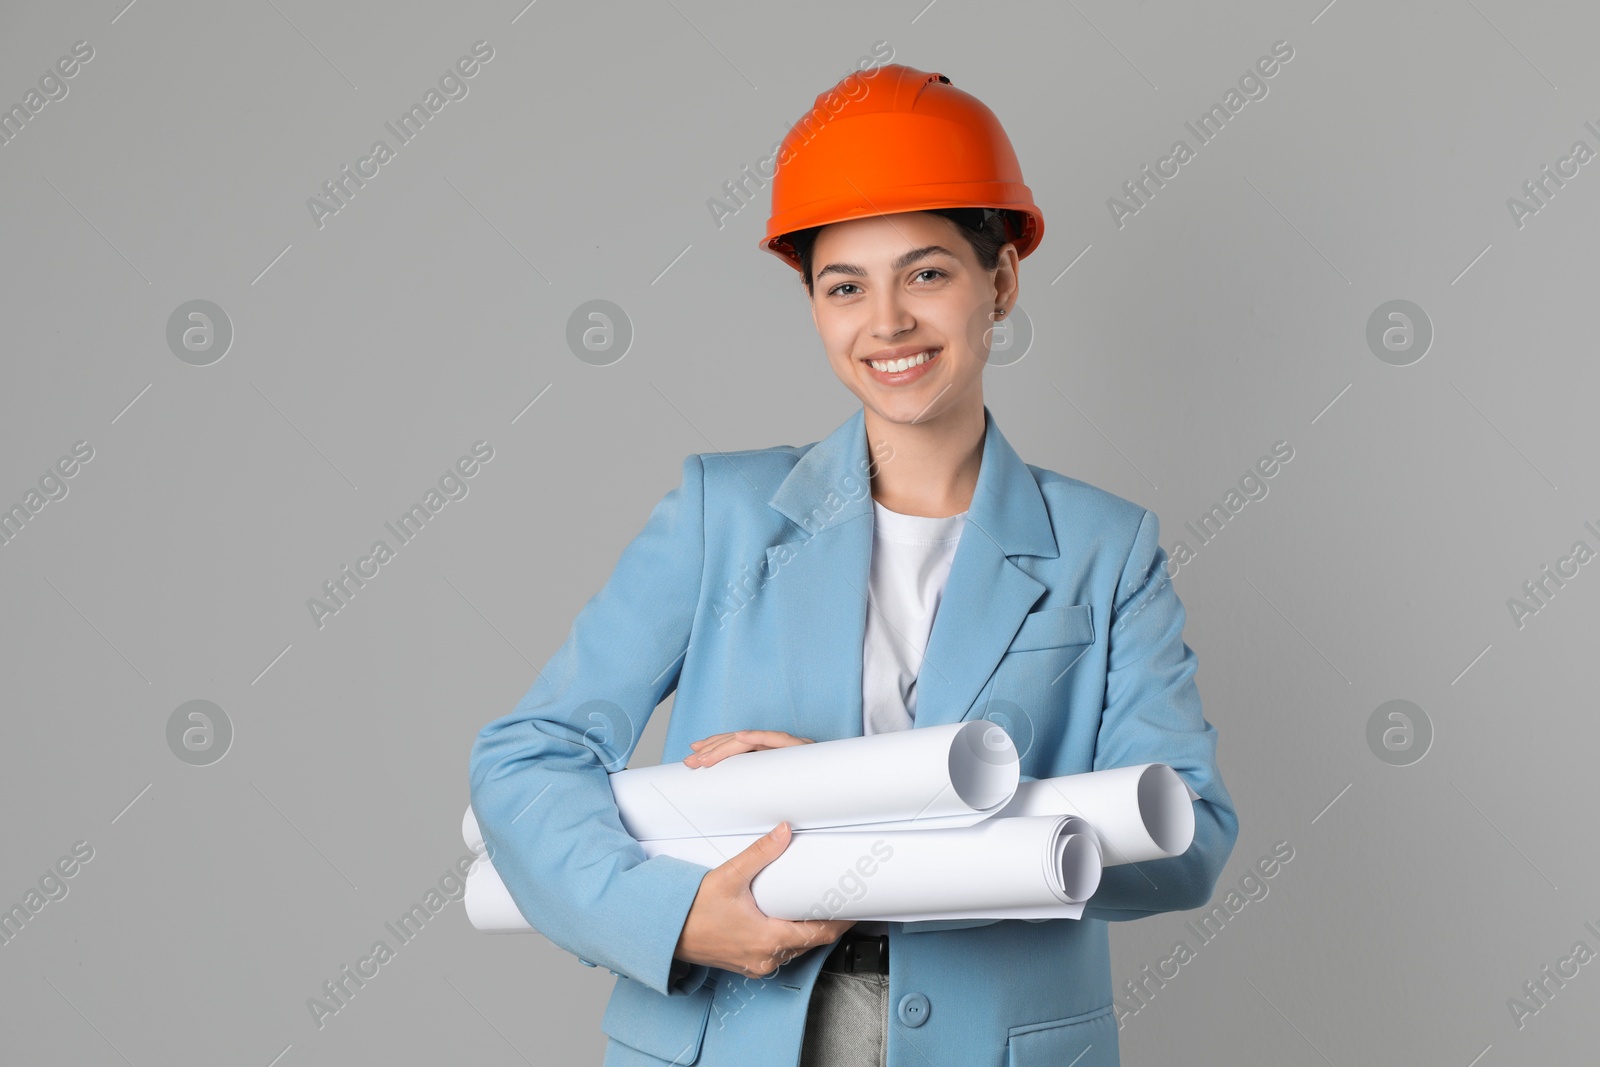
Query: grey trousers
(847, 1021)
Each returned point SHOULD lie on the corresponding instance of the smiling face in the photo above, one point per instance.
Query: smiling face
(906, 312)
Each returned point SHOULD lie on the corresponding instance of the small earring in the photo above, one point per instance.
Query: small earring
(999, 313)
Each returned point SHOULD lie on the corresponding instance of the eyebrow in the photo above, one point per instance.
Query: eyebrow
(898, 265)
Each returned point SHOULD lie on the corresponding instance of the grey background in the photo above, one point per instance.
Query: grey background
(369, 354)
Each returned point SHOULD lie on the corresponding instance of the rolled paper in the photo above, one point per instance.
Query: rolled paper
(1027, 867)
(955, 774)
(1142, 812)
(991, 869)
(489, 904)
(949, 834)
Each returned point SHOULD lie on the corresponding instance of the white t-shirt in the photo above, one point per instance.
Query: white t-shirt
(911, 557)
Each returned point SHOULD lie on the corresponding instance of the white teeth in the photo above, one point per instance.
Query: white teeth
(894, 366)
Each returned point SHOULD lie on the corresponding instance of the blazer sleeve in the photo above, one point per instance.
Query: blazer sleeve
(1152, 715)
(539, 774)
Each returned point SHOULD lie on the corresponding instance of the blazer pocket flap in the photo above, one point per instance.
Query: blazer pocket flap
(669, 1028)
(1087, 1040)
(1068, 624)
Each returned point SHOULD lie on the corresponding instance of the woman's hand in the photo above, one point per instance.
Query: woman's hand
(709, 750)
(725, 928)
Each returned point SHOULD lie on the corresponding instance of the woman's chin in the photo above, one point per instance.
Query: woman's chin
(908, 410)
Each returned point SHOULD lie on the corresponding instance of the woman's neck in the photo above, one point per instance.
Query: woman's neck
(932, 467)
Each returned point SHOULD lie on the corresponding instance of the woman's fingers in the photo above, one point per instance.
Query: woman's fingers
(706, 747)
(716, 751)
(717, 747)
(767, 738)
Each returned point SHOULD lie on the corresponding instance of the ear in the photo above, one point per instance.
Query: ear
(1006, 281)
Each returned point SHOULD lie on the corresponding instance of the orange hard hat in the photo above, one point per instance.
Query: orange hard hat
(910, 141)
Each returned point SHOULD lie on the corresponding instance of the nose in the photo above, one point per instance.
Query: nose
(890, 316)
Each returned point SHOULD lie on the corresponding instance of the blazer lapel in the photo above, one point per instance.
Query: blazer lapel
(987, 595)
(821, 582)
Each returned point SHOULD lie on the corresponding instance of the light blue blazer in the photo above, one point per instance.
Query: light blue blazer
(746, 592)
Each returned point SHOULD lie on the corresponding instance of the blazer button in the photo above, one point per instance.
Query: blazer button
(913, 1010)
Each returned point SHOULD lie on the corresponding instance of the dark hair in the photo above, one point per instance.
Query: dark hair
(985, 228)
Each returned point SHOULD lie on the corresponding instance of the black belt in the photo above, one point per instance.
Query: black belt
(859, 954)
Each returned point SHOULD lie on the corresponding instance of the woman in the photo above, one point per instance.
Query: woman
(908, 570)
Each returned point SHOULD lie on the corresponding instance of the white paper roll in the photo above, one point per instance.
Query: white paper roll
(963, 838)
(489, 904)
(1142, 812)
(996, 866)
(938, 776)
(1028, 867)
